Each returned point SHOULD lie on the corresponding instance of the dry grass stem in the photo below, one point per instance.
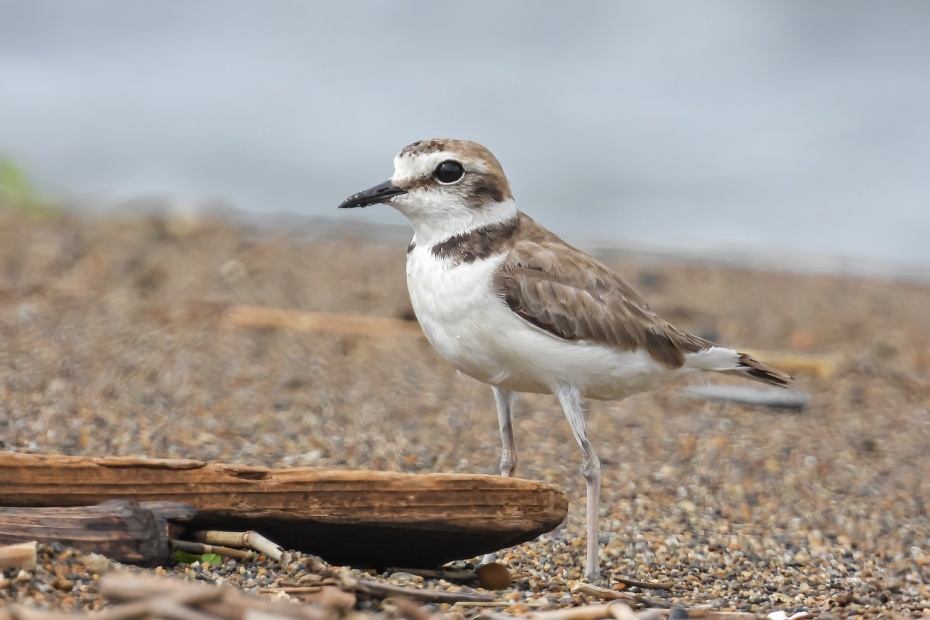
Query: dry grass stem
(251, 540)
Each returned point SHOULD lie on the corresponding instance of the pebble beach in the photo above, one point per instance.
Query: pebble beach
(112, 344)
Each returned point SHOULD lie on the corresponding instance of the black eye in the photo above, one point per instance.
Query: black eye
(449, 171)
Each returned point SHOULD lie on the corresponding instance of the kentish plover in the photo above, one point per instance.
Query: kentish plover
(509, 303)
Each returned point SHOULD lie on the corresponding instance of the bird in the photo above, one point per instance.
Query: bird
(509, 303)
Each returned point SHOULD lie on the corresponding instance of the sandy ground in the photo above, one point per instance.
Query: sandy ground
(110, 344)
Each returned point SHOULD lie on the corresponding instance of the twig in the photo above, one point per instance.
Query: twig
(125, 587)
(295, 320)
(21, 555)
(174, 610)
(151, 606)
(713, 614)
(493, 615)
(24, 612)
(410, 610)
(615, 610)
(586, 612)
(201, 548)
(613, 595)
(378, 589)
(646, 585)
(491, 604)
(604, 593)
(426, 573)
(250, 539)
(138, 590)
(291, 590)
(621, 611)
(308, 580)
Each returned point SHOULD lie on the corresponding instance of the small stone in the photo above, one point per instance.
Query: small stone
(402, 577)
(494, 576)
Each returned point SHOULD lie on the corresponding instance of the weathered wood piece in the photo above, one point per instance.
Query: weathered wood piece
(199, 548)
(146, 596)
(380, 589)
(615, 595)
(21, 555)
(321, 322)
(119, 529)
(248, 540)
(348, 517)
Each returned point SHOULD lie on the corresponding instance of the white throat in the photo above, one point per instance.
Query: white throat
(434, 222)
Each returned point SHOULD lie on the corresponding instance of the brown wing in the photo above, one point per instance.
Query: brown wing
(570, 295)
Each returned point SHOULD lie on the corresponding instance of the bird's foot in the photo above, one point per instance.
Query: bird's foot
(592, 574)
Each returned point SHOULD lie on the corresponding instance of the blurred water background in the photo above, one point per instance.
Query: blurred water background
(796, 128)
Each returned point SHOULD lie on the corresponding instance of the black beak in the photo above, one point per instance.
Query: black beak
(377, 194)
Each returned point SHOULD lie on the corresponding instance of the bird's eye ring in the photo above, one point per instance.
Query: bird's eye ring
(449, 172)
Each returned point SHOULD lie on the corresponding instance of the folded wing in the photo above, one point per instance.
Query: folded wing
(574, 297)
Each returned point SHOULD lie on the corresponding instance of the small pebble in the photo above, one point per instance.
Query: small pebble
(494, 576)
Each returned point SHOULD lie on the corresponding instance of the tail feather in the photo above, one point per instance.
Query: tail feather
(761, 372)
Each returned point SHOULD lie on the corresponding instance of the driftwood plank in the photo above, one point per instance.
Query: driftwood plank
(119, 529)
(360, 517)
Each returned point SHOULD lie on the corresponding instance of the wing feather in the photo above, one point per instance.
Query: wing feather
(574, 297)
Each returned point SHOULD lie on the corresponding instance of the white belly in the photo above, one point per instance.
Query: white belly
(474, 330)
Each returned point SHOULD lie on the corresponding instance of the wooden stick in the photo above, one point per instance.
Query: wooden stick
(125, 587)
(613, 595)
(295, 320)
(199, 548)
(439, 573)
(382, 590)
(22, 555)
(173, 610)
(145, 608)
(646, 585)
(713, 614)
(491, 604)
(585, 612)
(604, 593)
(291, 590)
(620, 611)
(222, 601)
(251, 539)
(410, 610)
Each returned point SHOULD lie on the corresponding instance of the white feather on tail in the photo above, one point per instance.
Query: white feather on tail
(720, 359)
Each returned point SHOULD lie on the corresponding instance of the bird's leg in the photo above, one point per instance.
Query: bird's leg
(570, 400)
(504, 401)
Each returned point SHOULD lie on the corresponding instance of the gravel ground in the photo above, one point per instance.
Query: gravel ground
(110, 344)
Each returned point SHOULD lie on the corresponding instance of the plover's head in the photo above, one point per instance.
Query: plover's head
(443, 186)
